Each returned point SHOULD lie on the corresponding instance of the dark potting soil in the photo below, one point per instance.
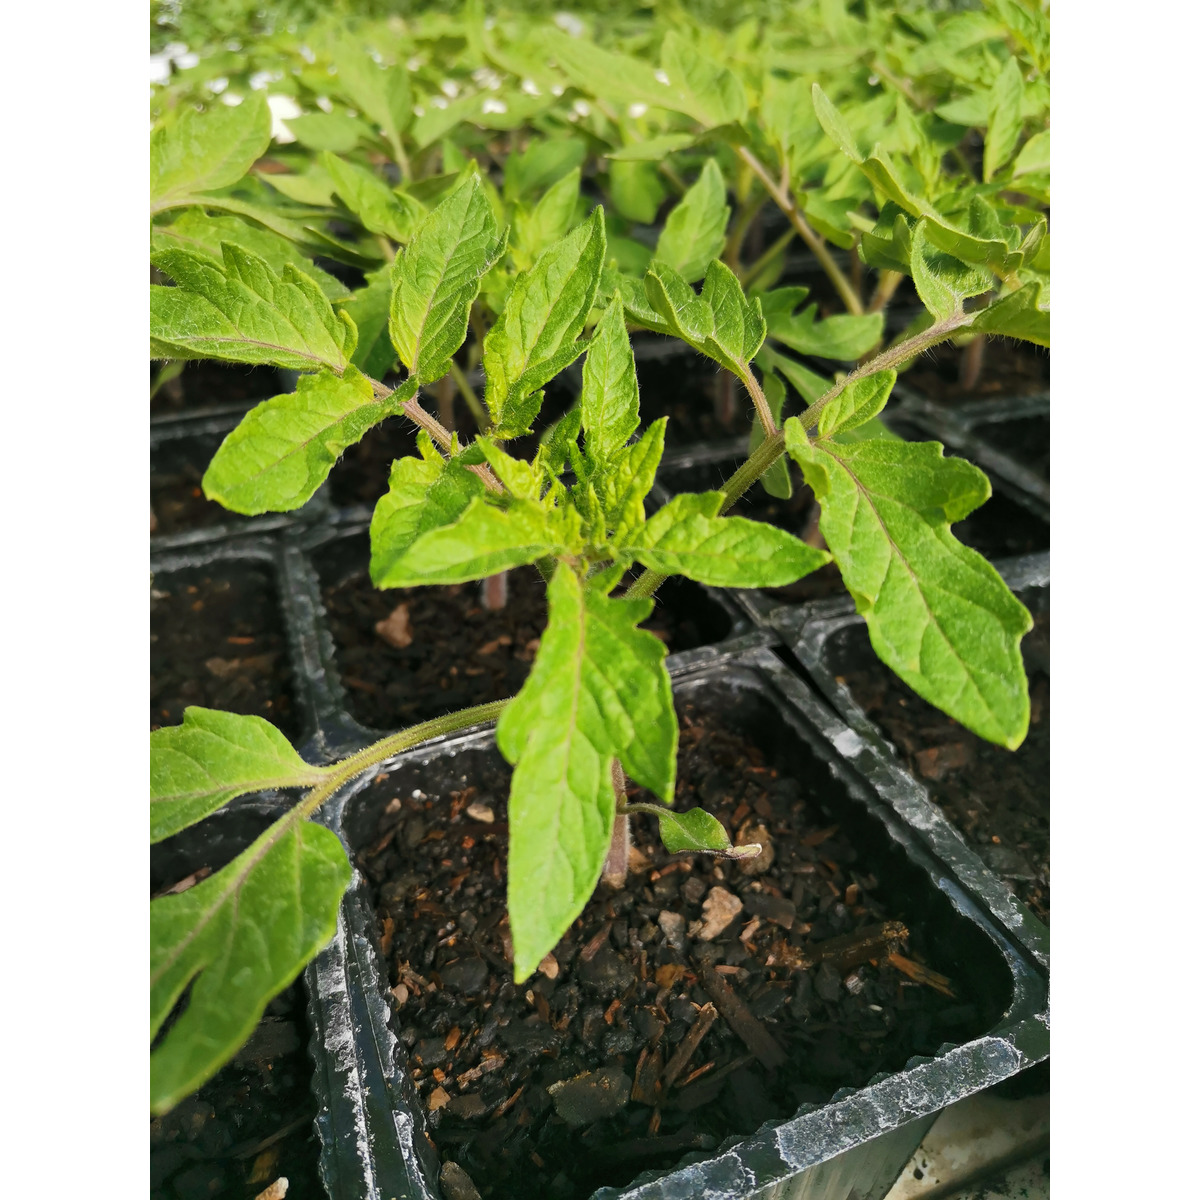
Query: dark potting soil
(1009, 369)
(609, 1061)
(1025, 440)
(206, 382)
(250, 1124)
(701, 401)
(217, 640)
(177, 501)
(461, 653)
(1000, 528)
(998, 799)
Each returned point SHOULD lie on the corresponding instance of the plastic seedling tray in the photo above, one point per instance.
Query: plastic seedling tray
(829, 640)
(855, 1142)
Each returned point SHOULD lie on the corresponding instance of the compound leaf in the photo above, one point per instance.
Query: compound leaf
(679, 310)
(239, 938)
(738, 325)
(687, 537)
(598, 691)
(199, 766)
(241, 310)
(937, 612)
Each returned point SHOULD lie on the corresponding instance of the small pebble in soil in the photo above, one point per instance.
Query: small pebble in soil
(720, 907)
(591, 1096)
(456, 1183)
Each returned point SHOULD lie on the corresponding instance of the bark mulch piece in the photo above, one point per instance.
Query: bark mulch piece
(217, 640)
(250, 1124)
(638, 1041)
(460, 653)
(998, 799)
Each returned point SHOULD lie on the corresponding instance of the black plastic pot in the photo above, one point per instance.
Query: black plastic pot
(856, 1144)
(829, 639)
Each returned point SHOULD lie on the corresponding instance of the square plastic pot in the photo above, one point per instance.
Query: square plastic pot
(372, 1125)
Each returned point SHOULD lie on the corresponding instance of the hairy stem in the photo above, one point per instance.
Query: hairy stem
(342, 772)
(760, 402)
(737, 233)
(894, 356)
(495, 591)
(970, 365)
(616, 865)
(808, 235)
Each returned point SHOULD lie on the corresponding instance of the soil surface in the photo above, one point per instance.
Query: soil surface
(703, 999)
(217, 640)
(203, 383)
(1010, 368)
(460, 653)
(177, 501)
(998, 799)
(250, 1124)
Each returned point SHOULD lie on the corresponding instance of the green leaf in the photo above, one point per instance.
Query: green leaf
(843, 337)
(1004, 119)
(627, 479)
(652, 150)
(679, 310)
(809, 384)
(694, 232)
(437, 278)
(199, 766)
(483, 541)
(380, 209)
(637, 189)
(424, 494)
(606, 73)
(534, 337)
(835, 125)
(856, 404)
(550, 219)
(370, 308)
(239, 938)
(240, 310)
(541, 164)
(311, 187)
(1023, 314)
(598, 691)
(687, 537)
(334, 131)
(382, 94)
(284, 448)
(738, 325)
(201, 152)
(609, 399)
(937, 612)
(695, 832)
(200, 233)
(942, 281)
(712, 94)
(1034, 156)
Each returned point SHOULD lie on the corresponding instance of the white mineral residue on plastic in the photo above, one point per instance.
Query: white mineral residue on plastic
(848, 742)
